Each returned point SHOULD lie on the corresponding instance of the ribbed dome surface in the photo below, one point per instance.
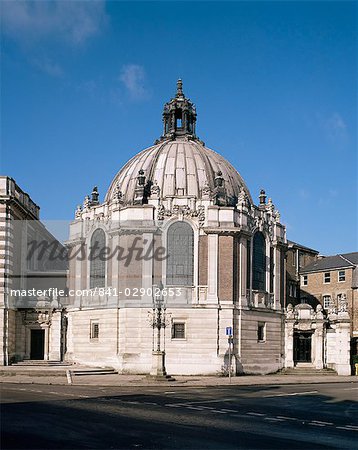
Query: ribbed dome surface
(180, 167)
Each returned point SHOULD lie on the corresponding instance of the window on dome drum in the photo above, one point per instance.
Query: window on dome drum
(97, 261)
(259, 262)
(327, 277)
(248, 262)
(261, 332)
(342, 275)
(326, 301)
(180, 248)
(178, 330)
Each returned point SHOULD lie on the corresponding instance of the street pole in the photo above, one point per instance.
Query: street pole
(230, 338)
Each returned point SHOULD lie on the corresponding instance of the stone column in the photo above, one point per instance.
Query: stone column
(55, 337)
(289, 329)
(318, 337)
(343, 346)
(47, 342)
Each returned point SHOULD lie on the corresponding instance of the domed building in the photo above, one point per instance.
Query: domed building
(178, 228)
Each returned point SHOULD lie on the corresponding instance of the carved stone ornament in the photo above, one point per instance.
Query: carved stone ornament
(78, 211)
(155, 190)
(343, 304)
(319, 312)
(290, 314)
(86, 203)
(118, 194)
(183, 210)
(242, 198)
(206, 192)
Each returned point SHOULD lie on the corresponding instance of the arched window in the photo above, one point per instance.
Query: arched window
(259, 262)
(180, 262)
(97, 259)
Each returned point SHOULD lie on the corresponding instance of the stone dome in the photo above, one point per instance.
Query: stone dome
(178, 165)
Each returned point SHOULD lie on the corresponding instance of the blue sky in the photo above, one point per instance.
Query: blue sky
(83, 85)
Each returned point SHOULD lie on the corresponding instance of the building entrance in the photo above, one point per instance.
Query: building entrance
(37, 344)
(302, 345)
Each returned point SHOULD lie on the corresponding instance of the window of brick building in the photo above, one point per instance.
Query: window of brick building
(342, 275)
(178, 330)
(326, 301)
(304, 280)
(327, 277)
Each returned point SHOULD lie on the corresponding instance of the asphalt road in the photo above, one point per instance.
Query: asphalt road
(306, 416)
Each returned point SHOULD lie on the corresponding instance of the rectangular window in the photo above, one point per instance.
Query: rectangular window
(304, 280)
(327, 277)
(342, 275)
(94, 329)
(261, 332)
(178, 330)
(326, 301)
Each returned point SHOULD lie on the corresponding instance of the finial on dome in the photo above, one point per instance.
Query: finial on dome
(180, 88)
(262, 197)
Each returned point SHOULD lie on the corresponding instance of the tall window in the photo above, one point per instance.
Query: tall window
(97, 260)
(326, 301)
(342, 275)
(327, 277)
(259, 262)
(180, 262)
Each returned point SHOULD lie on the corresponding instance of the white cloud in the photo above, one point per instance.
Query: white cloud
(133, 77)
(50, 67)
(334, 127)
(70, 21)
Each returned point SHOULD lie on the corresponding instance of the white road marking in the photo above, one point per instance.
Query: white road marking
(292, 393)
(346, 428)
(321, 422)
(274, 419)
(287, 418)
(170, 392)
(350, 389)
(229, 410)
(255, 414)
(205, 402)
(316, 424)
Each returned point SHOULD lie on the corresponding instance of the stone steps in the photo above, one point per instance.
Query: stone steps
(42, 363)
(307, 371)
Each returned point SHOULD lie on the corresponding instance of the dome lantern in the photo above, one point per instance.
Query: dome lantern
(179, 115)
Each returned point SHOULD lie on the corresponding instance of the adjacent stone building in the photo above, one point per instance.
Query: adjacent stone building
(30, 325)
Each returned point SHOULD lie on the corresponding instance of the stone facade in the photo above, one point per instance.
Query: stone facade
(180, 181)
(179, 241)
(30, 327)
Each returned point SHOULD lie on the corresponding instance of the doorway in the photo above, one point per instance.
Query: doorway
(37, 344)
(302, 347)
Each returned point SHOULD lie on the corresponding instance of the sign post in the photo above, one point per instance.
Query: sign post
(228, 333)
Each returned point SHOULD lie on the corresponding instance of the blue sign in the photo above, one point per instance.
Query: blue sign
(228, 331)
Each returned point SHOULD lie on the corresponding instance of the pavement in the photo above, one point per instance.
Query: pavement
(45, 377)
(210, 417)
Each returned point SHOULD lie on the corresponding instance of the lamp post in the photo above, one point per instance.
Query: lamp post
(158, 320)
